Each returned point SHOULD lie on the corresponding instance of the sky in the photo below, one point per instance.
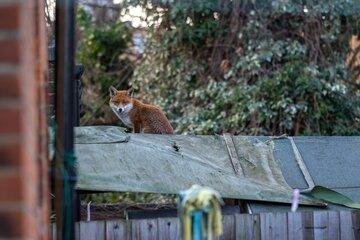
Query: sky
(136, 15)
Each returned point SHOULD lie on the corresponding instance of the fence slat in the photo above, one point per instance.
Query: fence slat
(267, 221)
(92, 230)
(228, 223)
(308, 223)
(321, 225)
(53, 231)
(346, 227)
(77, 231)
(247, 226)
(169, 229)
(295, 226)
(256, 229)
(301, 225)
(116, 230)
(356, 224)
(280, 226)
(144, 229)
(334, 225)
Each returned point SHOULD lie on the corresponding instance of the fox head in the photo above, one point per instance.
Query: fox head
(120, 101)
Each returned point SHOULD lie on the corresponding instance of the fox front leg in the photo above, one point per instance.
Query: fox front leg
(137, 128)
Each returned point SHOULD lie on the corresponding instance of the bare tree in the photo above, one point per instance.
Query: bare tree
(50, 18)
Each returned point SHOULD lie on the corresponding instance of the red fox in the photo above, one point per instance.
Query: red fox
(142, 118)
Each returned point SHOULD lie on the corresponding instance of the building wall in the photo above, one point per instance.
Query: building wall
(24, 194)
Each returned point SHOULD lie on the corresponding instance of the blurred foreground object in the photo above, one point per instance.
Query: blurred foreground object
(200, 213)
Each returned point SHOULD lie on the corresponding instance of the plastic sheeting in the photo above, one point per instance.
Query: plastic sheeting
(110, 160)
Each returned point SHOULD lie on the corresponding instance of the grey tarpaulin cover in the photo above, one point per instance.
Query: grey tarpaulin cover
(110, 160)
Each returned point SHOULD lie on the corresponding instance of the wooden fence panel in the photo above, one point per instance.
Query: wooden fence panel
(308, 222)
(267, 221)
(356, 224)
(116, 230)
(274, 226)
(346, 229)
(144, 229)
(334, 225)
(94, 230)
(295, 226)
(169, 229)
(321, 224)
(247, 226)
(301, 225)
(228, 223)
(280, 226)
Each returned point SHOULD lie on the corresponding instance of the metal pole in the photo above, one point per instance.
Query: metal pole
(65, 172)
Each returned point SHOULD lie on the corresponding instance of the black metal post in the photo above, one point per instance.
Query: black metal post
(65, 172)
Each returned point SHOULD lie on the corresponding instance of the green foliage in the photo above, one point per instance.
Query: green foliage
(246, 67)
(252, 68)
(130, 198)
(103, 52)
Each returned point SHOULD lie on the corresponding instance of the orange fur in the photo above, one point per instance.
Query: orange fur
(144, 118)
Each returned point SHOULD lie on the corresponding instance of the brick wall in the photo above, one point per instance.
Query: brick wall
(24, 205)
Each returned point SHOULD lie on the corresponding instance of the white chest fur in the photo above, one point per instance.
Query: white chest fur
(124, 116)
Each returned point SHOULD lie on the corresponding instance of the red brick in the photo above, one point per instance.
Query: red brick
(17, 224)
(12, 224)
(9, 17)
(25, 22)
(11, 188)
(10, 155)
(9, 51)
(9, 86)
(10, 120)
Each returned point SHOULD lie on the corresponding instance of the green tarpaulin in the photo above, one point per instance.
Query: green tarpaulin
(110, 160)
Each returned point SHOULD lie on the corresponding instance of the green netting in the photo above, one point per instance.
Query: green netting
(111, 160)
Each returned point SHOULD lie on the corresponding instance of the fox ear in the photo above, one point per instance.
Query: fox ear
(112, 91)
(130, 92)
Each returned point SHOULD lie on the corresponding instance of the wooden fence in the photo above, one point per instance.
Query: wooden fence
(303, 225)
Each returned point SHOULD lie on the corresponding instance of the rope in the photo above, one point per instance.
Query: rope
(200, 213)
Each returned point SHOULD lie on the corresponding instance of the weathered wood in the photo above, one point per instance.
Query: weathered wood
(94, 230)
(301, 225)
(356, 224)
(169, 229)
(346, 227)
(308, 223)
(256, 228)
(334, 225)
(144, 229)
(116, 230)
(321, 225)
(233, 154)
(53, 231)
(228, 223)
(267, 221)
(280, 226)
(295, 226)
(247, 226)
(77, 231)
(301, 164)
